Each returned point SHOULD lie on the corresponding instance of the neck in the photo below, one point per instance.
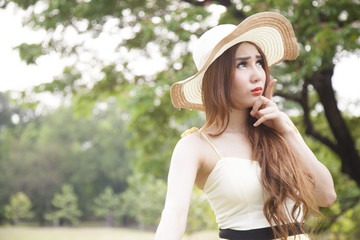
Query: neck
(237, 122)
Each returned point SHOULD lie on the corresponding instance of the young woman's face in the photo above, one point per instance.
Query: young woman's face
(249, 77)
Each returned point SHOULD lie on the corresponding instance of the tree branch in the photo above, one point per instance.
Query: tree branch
(198, 3)
(334, 218)
(225, 3)
(309, 127)
(231, 9)
(195, 3)
(289, 97)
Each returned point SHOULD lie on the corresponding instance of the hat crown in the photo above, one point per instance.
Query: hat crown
(206, 43)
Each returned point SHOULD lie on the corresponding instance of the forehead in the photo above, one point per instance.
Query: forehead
(246, 49)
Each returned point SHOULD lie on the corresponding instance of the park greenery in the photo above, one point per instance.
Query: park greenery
(19, 207)
(104, 156)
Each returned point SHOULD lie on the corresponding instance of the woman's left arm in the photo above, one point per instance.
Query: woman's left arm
(267, 112)
(324, 185)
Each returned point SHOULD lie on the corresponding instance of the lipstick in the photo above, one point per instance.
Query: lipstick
(257, 91)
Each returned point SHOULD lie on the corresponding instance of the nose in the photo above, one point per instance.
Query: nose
(255, 74)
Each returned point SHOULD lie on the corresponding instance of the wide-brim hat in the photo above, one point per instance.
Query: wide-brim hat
(270, 31)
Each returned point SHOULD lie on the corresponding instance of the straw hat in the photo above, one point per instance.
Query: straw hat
(271, 32)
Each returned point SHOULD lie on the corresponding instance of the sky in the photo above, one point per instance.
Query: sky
(16, 75)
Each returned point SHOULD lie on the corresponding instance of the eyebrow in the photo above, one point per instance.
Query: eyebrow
(247, 58)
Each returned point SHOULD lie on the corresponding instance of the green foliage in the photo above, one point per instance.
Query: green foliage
(66, 204)
(144, 199)
(63, 84)
(6, 111)
(323, 29)
(107, 205)
(88, 153)
(201, 217)
(155, 125)
(30, 52)
(341, 220)
(19, 207)
(169, 25)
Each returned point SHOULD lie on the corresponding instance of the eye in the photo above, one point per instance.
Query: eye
(260, 62)
(241, 65)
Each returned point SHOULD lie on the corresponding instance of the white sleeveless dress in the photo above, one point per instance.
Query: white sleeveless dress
(236, 196)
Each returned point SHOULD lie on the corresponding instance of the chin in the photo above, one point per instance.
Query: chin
(244, 106)
(249, 103)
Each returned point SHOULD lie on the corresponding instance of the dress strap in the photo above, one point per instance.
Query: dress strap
(211, 144)
(189, 131)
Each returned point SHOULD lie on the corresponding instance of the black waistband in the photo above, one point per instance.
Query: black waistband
(253, 234)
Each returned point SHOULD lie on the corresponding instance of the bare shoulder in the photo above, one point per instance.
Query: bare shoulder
(194, 153)
(193, 147)
(190, 145)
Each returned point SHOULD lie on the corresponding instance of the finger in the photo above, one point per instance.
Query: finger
(264, 111)
(261, 101)
(270, 89)
(265, 118)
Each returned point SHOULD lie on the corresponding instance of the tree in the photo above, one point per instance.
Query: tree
(330, 27)
(116, 79)
(6, 112)
(200, 217)
(163, 27)
(341, 219)
(144, 200)
(107, 205)
(87, 152)
(66, 204)
(19, 207)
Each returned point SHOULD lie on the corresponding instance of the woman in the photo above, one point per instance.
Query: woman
(258, 174)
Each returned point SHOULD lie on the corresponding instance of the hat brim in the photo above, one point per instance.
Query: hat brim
(270, 31)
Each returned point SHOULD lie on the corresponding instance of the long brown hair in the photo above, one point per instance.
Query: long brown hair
(283, 177)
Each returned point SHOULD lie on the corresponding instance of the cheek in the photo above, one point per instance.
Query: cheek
(263, 75)
(239, 81)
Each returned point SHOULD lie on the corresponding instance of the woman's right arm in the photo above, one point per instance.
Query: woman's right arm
(182, 173)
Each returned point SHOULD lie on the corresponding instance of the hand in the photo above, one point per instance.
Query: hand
(267, 112)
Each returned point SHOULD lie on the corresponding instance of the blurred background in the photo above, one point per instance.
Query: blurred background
(87, 127)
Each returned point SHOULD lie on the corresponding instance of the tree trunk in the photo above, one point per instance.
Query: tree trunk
(345, 146)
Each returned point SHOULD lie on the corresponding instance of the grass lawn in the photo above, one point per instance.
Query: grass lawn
(87, 233)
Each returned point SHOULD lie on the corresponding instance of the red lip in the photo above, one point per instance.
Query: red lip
(257, 91)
